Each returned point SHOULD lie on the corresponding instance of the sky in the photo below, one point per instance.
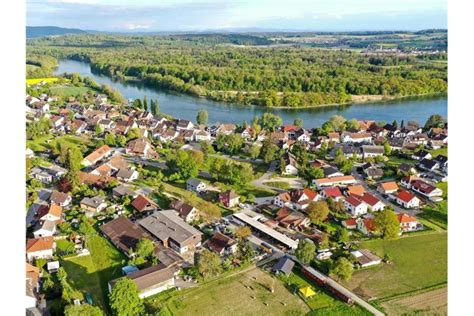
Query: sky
(205, 15)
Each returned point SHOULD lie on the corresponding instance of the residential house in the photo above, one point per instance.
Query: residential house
(93, 205)
(123, 190)
(222, 244)
(428, 164)
(225, 129)
(421, 154)
(332, 192)
(151, 281)
(356, 190)
(407, 199)
(41, 175)
(334, 137)
(354, 206)
(229, 198)
(186, 211)
(426, 189)
(52, 213)
(330, 171)
(291, 166)
(339, 181)
(366, 226)
(350, 223)
(127, 174)
(195, 185)
(372, 202)
(284, 265)
(46, 229)
(172, 231)
(297, 199)
(184, 125)
(408, 223)
(97, 155)
(387, 187)
(144, 205)
(40, 248)
(289, 218)
(407, 169)
(60, 198)
(302, 135)
(124, 234)
(372, 151)
(202, 136)
(372, 171)
(141, 147)
(348, 137)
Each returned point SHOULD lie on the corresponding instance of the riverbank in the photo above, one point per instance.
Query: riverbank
(186, 106)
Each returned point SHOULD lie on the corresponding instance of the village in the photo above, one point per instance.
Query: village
(122, 192)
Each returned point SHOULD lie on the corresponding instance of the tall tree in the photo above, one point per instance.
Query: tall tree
(386, 222)
(124, 299)
(342, 269)
(145, 103)
(202, 117)
(305, 251)
(298, 122)
(155, 107)
(270, 121)
(317, 211)
(209, 263)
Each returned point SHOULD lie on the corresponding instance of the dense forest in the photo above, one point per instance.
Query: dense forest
(271, 76)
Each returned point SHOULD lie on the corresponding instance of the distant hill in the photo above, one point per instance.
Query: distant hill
(39, 31)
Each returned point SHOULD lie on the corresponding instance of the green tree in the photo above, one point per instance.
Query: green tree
(202, 117)
(185, 163)
(342, 234)
(98, 130)
(270, 121)
(209, 263)
(435, 120)
(109, 139)
(337, 122)
(245, 251)
(145, 103)
(317, 211)
(144, 248)
(342, 269)
(84, 309)
(298, 122)
(242, 232)
(269, 151)
(124, 299)
(386, 222)
(254, 151)
(155, 107)
(387, 149)
(305, 251)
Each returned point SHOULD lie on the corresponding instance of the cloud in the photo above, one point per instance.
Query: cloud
(132, 26)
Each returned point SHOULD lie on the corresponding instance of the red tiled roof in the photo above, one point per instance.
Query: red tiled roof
(370, 199)
(405, 218)
(332, 192)
(39, 244)
(353, 201)
(405, 196)
(141, 202)
(389, 186)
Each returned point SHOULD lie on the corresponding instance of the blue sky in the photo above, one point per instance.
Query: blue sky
(202, 15)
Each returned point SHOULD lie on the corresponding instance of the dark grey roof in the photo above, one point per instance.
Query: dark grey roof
(284, 265)
(194, 182)
(373, 149)
(428, 163)
(94, 201)
(329, 171)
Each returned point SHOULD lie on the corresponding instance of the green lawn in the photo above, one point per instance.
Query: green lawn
(440, 151)
(39, 144)
(92, 273)
(231, 296)
(67, 91)
(438, 214)
(418, 261)
(46, 142)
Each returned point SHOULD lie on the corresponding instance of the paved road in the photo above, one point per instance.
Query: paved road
(266, 176)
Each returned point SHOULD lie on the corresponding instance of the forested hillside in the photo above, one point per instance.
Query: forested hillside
(289, 76)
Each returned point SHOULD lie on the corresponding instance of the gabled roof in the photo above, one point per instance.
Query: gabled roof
(405, 196)
(357, 189)
(332, 192)
(369, 199)
(405, 218)
(123, 233)
(39, 244)
(353, 201)
(98, 154)
(58, 197)
(389, 186)
(284, 265)
(220, 241)
(140, 203)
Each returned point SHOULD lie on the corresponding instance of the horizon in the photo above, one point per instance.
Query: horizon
(128, 16)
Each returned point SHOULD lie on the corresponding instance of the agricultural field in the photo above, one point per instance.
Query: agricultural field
(429, 303)
(410, 256)
(38, 80)
(92, 273)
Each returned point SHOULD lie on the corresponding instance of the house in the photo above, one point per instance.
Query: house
(408, 223)
(302, 135)
(355, 207)
(47, 229)
(284, 265)
(144, 205)
(366, 226)
(186, 211)
(407, 199)
(291, 166)
(372, 202)
(222, 244)
(225, 129)
(41, 175)
(127, 174)
(363, 137)
(32, 285)
(123, 190)
(53, 213)
(365, 258)
(421, 154)
(297, 199)
(350, 223)
(334, 137)
(339, 181)
(40, 248)
(330, 171)
(372, 171)
(97, 155)
(397, 143)
(93, 205)
(428, 164)
(184, 125)
(357, 190)
(52, 266)
(442, 160)
(332, 192)
(372, 151)
(60, 198)
(202, 136)
(407, 169)
(141, 147)
(151, 280)
(172, 231)
(124, 234)
(426, 189)
(387, 187)
(289, 218)
(229, 198)
(195, 185)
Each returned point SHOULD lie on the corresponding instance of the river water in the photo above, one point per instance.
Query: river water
(186, 107)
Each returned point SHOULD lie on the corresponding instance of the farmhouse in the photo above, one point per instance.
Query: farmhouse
(172, 231)
(222, 244)
(365, 258)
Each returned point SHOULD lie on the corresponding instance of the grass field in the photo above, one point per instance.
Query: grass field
(440, 151)
(438, 214)
(429, 303)
(92, 273)
(46, 142)
(230, 296)
(38, 80)
(67, 91)
(418, 261)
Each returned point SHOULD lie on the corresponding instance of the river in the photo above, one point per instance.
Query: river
(186, 107)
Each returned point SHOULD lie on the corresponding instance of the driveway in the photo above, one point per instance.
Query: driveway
(267, 176)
